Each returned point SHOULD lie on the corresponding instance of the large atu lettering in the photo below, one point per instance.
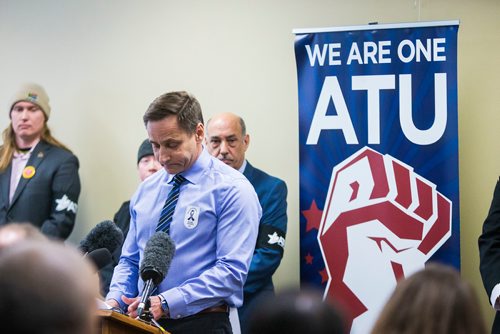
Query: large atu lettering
(373, 84)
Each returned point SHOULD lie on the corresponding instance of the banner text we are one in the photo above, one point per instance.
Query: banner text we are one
(374, 53)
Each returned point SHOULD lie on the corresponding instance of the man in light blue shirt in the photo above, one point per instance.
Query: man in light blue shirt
(214, 226)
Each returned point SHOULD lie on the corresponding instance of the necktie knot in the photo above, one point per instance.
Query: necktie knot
(169, 207)
(178, 180)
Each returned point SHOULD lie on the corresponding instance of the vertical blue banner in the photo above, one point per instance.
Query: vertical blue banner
(379, 186)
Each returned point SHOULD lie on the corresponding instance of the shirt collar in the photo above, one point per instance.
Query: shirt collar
(24, 155)
(243, 166)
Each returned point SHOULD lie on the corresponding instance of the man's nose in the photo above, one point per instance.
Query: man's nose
(163, 156)
(223, 147)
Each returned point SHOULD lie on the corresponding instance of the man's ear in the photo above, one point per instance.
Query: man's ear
(246, 141)
(200, 132)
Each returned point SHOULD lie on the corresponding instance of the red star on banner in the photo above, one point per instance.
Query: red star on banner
(309, 258)
(313, 217)
(324, 276)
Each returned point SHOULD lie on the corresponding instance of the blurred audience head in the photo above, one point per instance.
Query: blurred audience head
(295, 311)
(13, 233)
(46, 287)
(433, 300)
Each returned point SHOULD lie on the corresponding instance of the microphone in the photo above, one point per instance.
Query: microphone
(100, 257)
(158, 254)
(106, 234)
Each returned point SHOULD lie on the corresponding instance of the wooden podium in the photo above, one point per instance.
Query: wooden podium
(113, 323)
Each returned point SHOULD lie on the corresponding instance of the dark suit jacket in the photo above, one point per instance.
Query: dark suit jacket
(49, 198)
(489, 251)
(272, 193)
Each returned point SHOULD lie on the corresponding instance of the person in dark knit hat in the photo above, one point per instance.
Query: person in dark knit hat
(146, 166)
(146, 162)
(39, 181)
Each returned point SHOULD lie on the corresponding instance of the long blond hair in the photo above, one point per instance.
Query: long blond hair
(9, 144)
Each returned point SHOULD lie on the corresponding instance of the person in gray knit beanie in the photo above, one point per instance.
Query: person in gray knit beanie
(38, 174)
(33, 93)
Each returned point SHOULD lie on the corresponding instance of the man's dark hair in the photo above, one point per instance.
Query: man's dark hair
(182, 104)
(243, 127)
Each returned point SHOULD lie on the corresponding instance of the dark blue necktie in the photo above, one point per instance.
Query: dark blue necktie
(169, 207)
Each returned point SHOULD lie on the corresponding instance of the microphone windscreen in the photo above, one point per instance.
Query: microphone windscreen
(100, 257)
(106, 234)
(158, 254)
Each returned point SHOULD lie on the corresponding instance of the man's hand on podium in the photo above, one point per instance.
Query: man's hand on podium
(132, 303)
(113, 303)
(155, 308)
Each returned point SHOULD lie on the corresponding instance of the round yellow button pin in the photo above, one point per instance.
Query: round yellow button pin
(29, 172)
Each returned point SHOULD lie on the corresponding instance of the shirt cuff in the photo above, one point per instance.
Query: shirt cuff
(495, 293)
(116, 295)
(176, 304)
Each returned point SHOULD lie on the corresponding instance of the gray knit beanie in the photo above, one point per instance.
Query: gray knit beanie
(34, 93)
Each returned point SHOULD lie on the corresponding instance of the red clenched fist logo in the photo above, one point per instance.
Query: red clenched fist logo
(381, 221)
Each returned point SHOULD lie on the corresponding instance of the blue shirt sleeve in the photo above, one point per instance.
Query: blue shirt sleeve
(126, 273)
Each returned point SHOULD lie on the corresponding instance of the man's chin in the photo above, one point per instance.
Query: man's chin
(173, 169)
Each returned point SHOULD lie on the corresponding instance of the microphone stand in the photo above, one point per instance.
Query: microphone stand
(147, 316)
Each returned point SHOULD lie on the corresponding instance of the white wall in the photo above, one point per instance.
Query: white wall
(102, 63)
